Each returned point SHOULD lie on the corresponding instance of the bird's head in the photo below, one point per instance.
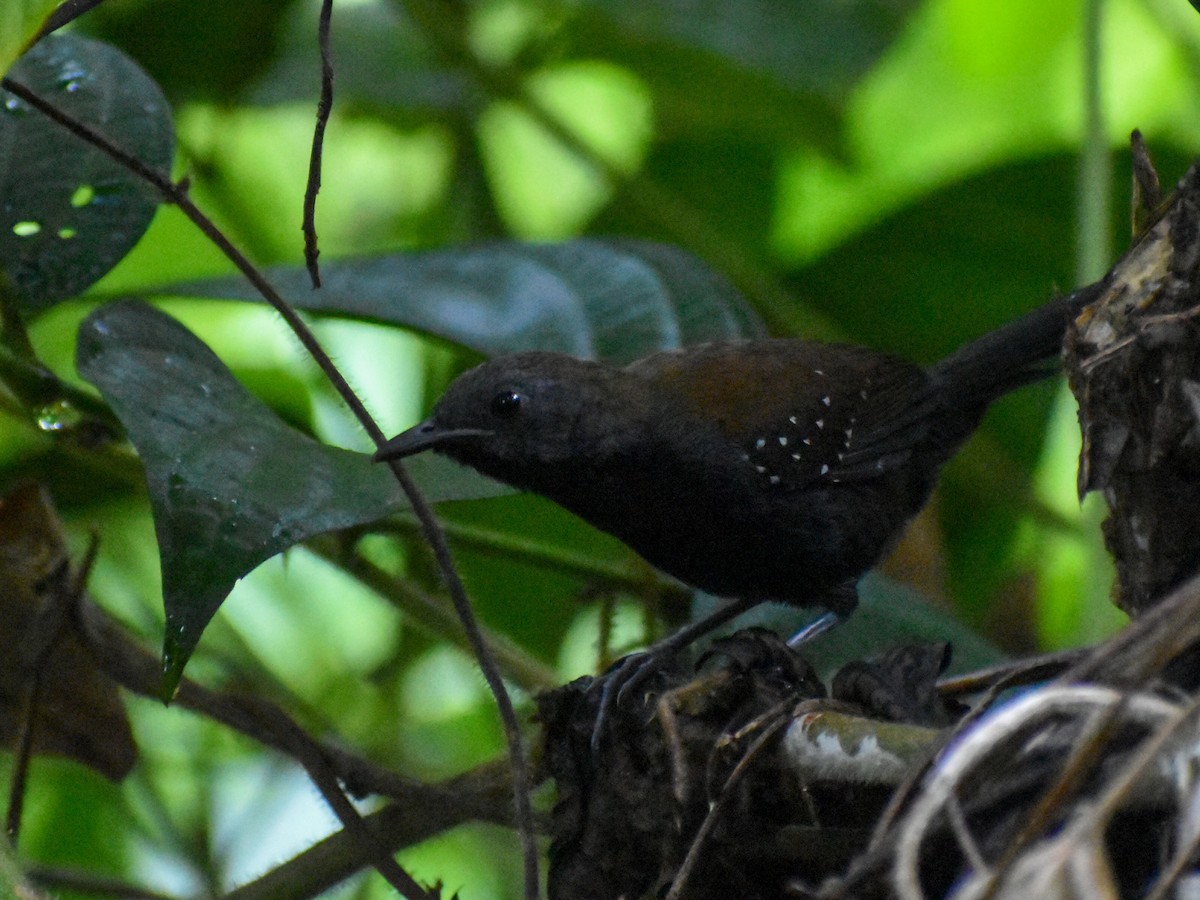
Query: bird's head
(524, 410)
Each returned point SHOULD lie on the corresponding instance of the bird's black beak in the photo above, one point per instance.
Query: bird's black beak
(421, 437)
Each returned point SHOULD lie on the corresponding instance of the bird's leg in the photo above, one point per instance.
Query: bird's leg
(840, 602)
(817, 627)
(635, 668)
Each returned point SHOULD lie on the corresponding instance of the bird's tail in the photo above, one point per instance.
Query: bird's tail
(1017, 353)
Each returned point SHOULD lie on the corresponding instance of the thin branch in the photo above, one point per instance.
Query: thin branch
(1153, 753)
(60, 597)
(718, 808)
(330, 861)
(13, 334)
(67, 12)
(996, 680)
(177, 194)
(522, 782)
(136, 670)
(631, 574)
(1094, 179)
(21, 758)
(310, 755)
(432, 613)
(324, 107)
(999, 736)
(91, 884)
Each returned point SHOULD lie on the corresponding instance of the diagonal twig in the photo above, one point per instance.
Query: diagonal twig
(176, 193)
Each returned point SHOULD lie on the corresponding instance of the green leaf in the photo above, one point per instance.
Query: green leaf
(207, 51)
(20, 21)
(699, 94)
(383, 63)
(230, 483)
(68, 213)
(610, 299)
(821, 46)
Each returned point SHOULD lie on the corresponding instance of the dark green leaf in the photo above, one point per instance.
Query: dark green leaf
(822, 46)
(891, 614)
(230, 483)
(610, 299)
(730, 184)
(68, 213)
(383, 63)
(941, 270)
(699, 94)
(198, 51)
(888, 614)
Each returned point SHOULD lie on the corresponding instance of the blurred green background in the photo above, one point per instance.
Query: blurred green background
(901, 174)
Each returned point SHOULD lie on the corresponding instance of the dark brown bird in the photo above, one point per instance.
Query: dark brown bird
(767, 470)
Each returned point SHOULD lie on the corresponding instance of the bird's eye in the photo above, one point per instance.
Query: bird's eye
(506, 404)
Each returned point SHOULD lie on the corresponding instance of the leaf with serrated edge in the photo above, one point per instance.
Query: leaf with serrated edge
(230, 483)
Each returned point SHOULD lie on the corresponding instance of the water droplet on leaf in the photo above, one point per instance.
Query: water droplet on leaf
(71, 77)
(58, 417)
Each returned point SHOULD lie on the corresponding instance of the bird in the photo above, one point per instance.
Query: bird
(764, 470)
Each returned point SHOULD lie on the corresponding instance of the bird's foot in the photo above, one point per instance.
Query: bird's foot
(626, 675)
(618, 682)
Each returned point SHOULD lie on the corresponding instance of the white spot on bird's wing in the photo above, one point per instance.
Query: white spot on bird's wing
(807, 442)
(825, 400)
(774, 479)
(820, 423)
(824, 469)
(782, 441)
(760, 443)
(796, 457)
(792, 419)
(760, 469)
(818, 372)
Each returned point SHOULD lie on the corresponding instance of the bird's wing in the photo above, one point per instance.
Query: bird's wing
(801, 411)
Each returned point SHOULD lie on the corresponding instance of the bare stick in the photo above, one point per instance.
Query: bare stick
(324, 107)
(62, 597)
(717, 808)
(135, 669)
(91, 884)
(21, 757)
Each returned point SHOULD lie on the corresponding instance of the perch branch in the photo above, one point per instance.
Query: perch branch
(469, 797)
